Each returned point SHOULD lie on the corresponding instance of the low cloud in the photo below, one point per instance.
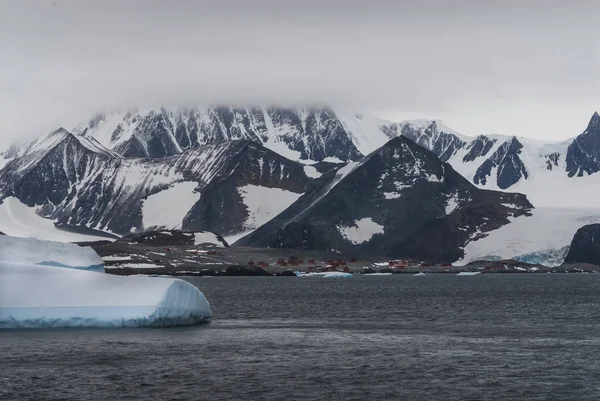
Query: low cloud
(529, 70)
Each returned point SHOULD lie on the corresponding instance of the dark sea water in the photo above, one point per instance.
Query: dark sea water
(444, 337)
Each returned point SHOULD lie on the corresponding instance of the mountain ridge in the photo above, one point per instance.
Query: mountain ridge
(401, 194)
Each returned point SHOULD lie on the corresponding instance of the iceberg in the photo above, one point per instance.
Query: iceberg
(31, 251)
(35, 296)
(327, 275)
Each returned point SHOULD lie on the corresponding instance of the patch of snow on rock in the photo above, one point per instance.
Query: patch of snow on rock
(138, 265)
(264, 203)
(333, 160)
(391, 195)
(432, 178)
(362, 231)
(311, 172)
(168, 207)
(451, 204)
(207, 238)
(116, 258)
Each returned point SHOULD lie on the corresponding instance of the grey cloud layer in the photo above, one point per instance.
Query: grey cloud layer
(480, 65)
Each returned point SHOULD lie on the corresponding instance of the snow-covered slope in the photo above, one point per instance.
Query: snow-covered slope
(20, 220)
(498, 162)
(78, 184)
(48, 253)
(554, 175)
(167, 208)
(264, 203)
(306, 133)
(46, 296)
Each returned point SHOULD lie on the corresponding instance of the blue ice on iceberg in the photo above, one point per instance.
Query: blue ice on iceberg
(48, 253)
(34, 296)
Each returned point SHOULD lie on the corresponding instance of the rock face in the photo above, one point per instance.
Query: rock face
(480, 147)
(501, 162)
(312, 133)
(506, 163)
(430, 134)
(585, 247)
(78, 182)
(400, 201)
(583, 154)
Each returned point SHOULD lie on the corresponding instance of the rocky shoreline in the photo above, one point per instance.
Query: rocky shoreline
(173, 259)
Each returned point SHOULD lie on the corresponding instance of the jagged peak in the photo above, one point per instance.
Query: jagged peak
(45, 145)
(594, 124)
(514, 142)
(60, 131)
(404, 150)
(425, 123)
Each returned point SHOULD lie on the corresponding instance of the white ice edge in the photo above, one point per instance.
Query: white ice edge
(34, 296)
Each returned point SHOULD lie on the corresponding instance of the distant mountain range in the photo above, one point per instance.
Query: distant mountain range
(311, 178)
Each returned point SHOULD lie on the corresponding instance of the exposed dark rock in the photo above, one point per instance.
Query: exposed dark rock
(443, 144)
(415, 205)
(287, 273)
(81, 184)
(478, 148)
(316, 133)
(507, 163)
(583, 154)
(552, 160)
(585, 246)
(246, 271)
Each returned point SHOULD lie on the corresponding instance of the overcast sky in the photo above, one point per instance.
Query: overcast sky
(528, 68)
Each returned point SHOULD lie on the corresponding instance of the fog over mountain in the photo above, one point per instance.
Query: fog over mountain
(483, 67)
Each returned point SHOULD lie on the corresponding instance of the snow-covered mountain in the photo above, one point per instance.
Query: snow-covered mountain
(230, 187)
(505, 163)
(230, 170)
(298, 133)
(400, 201)
(559, 174)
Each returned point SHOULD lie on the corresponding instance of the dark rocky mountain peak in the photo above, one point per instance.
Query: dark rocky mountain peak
(583, 154)
(434, 136)
(585, 246)
(505, 164)
(78, 184)
(480, 147)
(314, 133)
(400, 201)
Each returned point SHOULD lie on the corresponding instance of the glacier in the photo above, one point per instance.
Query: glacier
(59, 254)
(547, 257)
(544, 237)
(34, 296)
